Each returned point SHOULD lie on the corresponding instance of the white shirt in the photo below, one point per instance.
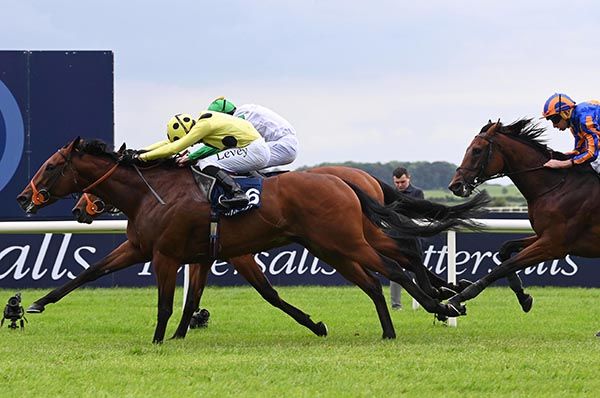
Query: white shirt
(268, 123)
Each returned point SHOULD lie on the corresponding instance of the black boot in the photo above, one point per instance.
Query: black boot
(238, 197)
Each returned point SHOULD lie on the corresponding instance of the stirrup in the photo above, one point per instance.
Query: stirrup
(239, 201)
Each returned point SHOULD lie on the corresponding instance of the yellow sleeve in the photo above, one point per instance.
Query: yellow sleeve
(155, 145)
(193, 137)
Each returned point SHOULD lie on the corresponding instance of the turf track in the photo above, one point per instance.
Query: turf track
(96, 342)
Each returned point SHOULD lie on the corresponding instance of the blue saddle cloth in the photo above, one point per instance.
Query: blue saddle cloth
(251, 185)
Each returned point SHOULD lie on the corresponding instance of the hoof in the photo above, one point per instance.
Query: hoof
(455, 309)
(200, 319)
(598, 334)
(389, 337)
(35, 308)
(440, 317)
(321, 329)
(463, 284)
(526, 303)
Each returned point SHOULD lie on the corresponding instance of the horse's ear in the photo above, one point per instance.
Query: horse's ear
(123, 146)
(485, 128)
(74, 144)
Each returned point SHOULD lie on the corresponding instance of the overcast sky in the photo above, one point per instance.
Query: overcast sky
(363, 81)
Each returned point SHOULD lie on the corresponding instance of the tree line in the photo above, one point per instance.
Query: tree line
(425, 175)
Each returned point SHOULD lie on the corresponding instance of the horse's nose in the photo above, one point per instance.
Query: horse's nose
(23, 201)
(456, 187)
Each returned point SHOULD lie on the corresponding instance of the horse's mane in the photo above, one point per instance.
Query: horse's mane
(530, 133)
(100, 148)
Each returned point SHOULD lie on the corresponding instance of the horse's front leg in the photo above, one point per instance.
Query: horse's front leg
(540, 250)
(514, 281)
(166, 275)
(198, 278)
(122, 257)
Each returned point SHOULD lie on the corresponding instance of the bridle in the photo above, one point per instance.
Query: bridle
(43, 195)
(93, 207)
(480, 178)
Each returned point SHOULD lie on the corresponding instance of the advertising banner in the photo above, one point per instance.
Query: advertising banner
(47, 260)
(48, 98)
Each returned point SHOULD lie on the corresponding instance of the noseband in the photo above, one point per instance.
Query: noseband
(93, 207)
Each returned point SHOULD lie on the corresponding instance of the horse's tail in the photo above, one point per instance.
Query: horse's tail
(398, 225)
(390, 194)
(427, 210)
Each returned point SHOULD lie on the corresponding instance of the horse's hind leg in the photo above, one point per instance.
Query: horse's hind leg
(166, 275)
(354, 272)
(248, 268)
(122, 257)
(198, 278)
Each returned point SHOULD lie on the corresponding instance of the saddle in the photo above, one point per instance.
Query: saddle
(251, 183)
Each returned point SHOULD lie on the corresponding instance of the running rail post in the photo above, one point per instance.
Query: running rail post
(186, 284)
(451, 242)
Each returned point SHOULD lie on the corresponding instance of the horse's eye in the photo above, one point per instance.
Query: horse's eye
(476, 151)
(50, 167)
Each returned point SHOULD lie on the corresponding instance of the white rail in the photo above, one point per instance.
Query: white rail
(65, 227)
(120, 226)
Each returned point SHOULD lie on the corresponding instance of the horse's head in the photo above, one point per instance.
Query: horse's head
(55, 179)
(480, 162)
(90, 206)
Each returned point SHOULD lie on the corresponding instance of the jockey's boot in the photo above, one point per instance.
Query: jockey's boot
(238, 196)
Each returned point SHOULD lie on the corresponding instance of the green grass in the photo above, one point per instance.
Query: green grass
(96, 342)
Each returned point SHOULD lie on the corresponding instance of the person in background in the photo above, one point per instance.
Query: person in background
(402, 182)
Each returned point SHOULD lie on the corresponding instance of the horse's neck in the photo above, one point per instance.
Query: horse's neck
(126, 190)
(531, 184)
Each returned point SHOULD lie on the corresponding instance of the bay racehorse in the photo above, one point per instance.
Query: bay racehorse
(563, 204)
(319, 211)
(89, 206)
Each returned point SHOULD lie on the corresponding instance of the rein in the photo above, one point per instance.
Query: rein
(101, 179)
(158, 198)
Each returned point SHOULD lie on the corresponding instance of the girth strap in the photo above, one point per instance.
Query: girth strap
(213, 245)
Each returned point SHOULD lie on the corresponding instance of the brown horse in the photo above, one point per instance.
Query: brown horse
(563, 204)
(90, 206)
(330, 223)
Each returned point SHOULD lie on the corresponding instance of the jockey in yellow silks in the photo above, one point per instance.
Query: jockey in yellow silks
(232, 145)
(583, 120)
(279, 134)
